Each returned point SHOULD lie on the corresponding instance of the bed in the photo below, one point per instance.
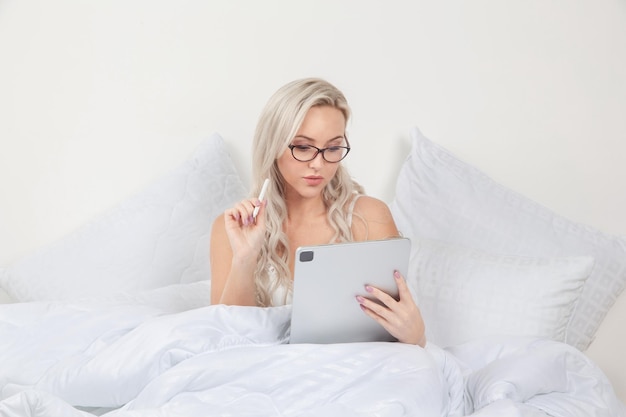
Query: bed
(115, 320)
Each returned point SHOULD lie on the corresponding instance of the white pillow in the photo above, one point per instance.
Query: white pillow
(159, 236)
(441, 197)
(465, 293)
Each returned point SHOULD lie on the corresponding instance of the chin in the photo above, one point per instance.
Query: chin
(311, 191)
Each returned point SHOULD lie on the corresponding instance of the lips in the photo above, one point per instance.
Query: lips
(313, 180)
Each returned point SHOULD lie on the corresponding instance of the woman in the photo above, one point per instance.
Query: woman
(299, 142)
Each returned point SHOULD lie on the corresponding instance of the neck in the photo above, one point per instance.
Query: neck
(305, 208)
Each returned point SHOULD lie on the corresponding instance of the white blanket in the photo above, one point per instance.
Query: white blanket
(165, 354)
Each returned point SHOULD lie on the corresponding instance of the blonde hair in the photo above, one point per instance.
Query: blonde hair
(278, 124)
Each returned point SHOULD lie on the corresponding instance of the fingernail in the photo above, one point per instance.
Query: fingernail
(368, 288)
(396, 274)
(360, 299)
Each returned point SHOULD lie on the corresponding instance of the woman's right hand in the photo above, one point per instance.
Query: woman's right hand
(236, 242)
(245, 233)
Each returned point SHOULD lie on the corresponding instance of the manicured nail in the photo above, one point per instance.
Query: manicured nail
(396, 274)
(360, 299)
(368, 288)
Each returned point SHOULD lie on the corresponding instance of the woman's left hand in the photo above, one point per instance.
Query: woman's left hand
(401, 318)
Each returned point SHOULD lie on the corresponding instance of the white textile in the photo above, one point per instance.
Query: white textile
(130, 357)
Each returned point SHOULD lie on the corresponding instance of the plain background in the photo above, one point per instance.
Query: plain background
(98, 98)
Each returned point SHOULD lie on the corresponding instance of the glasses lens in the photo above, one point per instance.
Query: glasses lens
(335, 153)
(304, 152)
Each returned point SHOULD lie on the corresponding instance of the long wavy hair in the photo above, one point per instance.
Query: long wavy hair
(278, 124)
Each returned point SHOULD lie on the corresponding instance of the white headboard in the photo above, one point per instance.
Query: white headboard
(98, 98)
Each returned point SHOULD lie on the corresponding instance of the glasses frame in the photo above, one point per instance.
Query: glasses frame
(322, 151)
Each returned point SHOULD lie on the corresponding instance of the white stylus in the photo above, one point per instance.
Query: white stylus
(261, 197)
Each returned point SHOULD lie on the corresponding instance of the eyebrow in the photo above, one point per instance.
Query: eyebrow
(313, 140)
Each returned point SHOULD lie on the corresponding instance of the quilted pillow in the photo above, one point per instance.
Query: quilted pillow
(4, 297)
(158, 237)
(465, 293)
(441, 197)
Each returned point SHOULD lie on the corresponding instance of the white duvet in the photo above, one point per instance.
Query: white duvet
(165, 353)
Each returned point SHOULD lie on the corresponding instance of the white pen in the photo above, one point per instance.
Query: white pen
(261, 197)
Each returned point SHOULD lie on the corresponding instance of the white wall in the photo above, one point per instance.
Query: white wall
(99, 97)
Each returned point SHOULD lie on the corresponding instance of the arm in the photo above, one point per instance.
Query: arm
(235, 246)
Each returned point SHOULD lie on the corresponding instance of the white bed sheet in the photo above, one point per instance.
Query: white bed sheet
(165, 353)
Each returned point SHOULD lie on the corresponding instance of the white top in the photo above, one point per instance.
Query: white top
(283, 294)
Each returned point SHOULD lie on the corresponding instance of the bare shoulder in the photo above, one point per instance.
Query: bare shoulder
(367, 205)
(218, 229)
(372, 220)
(372, 208)
(220, 256)
(219, 244)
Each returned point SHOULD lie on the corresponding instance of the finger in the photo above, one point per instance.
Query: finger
(393, 311)
(372, 314)
(406, 328)
(375, 308)
(403, 288)
(243, 211)
(260, 217)
(391, 326)
(246, 206)
(382, 296)
(232, 215)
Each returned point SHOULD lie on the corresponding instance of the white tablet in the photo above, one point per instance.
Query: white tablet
(327, 279)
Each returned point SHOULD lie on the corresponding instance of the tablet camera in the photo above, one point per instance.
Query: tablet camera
(306, 256)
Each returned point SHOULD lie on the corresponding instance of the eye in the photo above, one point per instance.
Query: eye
(302, 147)
(334, 149)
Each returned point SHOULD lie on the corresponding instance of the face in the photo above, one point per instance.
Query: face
(323, 126)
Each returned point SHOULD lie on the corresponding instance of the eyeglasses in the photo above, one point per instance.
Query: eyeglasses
(306, 153)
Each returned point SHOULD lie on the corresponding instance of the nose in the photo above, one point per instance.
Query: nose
(317, 162)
